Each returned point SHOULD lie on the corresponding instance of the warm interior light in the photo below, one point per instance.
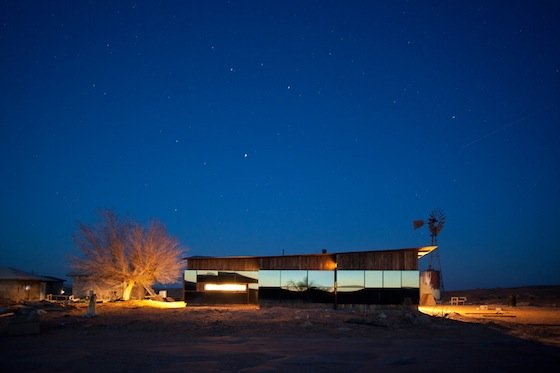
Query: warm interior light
(225, 287)
(425, 250)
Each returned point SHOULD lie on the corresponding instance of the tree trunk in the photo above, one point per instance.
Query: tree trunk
(127, 290)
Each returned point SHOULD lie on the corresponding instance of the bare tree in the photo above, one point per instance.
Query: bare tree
(126, 253)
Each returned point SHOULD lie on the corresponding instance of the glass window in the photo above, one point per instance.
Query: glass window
(190, 275)
(374, 279)
(322, 280)
(269, 279)
(245, 277)
(252, 275)
(410, 279)
(207, 273)
(190, 280)
(391, 279)
(350, 280)
(294, 280)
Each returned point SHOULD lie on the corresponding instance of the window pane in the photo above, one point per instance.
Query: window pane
(410, 279)
(322, 280)
(246, 276)
(190, 280)
(294, 280)
(190, 275)
(392, 279)
(206, 273)
(350, 280)
(374, 279)
(269, 279)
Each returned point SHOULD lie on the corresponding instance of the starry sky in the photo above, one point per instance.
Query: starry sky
(253, 128)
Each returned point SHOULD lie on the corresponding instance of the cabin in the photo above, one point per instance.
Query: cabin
(364, 277)
(17, 285)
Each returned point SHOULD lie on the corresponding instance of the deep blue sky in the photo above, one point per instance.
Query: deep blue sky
(249, 128)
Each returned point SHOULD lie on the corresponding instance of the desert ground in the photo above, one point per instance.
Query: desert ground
(134, 336)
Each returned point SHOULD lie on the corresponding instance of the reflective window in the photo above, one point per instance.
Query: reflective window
(206, 273)
(391, 279)
(249, 275)
(234, 277)
(269, 278)
(190, 275)
(350, 280)
(410, 279)
(190, 280)
(294, 280)
(240, 277)
(322, 280)
(374, 279)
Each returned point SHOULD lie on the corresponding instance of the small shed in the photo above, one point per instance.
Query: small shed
(17, 285)
(358, 277)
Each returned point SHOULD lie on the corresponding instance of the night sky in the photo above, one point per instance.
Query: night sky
(252, 128)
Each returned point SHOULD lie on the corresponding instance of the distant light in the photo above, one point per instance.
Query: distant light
(225, 287)
(245, 155)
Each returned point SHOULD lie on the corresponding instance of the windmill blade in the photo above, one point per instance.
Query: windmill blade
(436, 221)
(417, 224)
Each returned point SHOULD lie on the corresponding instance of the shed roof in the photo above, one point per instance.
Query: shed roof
(9, 273)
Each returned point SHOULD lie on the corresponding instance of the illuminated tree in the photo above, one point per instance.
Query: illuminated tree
(127, 254)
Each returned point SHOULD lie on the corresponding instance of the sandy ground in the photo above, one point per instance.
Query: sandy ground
(541, 324)
(125, 337)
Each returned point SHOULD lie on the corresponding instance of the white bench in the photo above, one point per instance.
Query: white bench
(456, 301)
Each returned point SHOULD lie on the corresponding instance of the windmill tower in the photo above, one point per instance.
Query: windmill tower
(431, 280)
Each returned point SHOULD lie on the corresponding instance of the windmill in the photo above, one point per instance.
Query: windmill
(435, 221)
(433, 275)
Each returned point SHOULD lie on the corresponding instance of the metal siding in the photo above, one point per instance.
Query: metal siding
(378, 260)
(224, 264)
(406, 259)
(299, 262)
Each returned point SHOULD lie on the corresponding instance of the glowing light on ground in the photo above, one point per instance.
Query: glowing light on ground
(157, 304)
